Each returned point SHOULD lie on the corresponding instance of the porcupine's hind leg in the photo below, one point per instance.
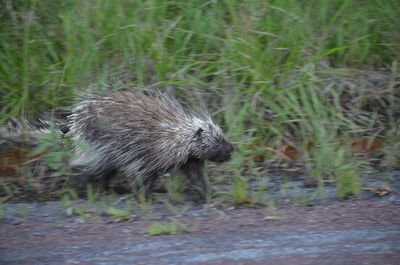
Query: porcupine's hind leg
(193, 169)
(93, 167)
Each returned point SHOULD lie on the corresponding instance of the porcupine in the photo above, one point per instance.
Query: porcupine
(143, 136)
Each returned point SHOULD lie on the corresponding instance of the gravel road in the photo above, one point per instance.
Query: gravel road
(358, 232)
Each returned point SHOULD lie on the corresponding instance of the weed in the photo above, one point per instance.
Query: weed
(91, 194)
(348, 182)
(68, 201)
(121, 215)
(172, 228)
(259, 196)
(158, 229)
(240, 191)
(55, 151)
(182, 227)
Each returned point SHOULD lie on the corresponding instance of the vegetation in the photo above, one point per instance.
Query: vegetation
(319, 78)
(174, 227)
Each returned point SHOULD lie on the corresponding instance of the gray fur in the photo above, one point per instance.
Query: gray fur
(143, 136)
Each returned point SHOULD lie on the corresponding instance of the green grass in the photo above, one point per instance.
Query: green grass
(349, 183)
(173, 228)
(240, 191)
(158, 229)
(263, 68)
(51, 49)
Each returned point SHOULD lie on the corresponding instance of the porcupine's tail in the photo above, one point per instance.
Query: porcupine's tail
(16, 132)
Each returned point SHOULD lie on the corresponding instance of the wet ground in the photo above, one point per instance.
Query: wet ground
(330, 231)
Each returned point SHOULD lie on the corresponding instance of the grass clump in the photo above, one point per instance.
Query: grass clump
(240, 191)
(348, 183)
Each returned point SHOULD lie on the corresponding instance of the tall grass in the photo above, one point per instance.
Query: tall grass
(257, 65)
(49, 49)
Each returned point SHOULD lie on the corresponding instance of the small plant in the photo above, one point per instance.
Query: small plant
(304, 198)
(67, 198)
(176, 226)
(259, 196)
(119, 215)
(91, 194)
(158, 229)
(182, 227)
(348, 182)
(125, 214)
(240, 191)
(55, 151)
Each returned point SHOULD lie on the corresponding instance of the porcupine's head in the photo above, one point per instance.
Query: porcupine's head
(195, 135)
(211, 144)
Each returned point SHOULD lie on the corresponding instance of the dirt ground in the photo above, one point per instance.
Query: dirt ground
(351, 232)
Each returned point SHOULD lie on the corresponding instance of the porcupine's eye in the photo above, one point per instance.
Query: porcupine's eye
(198, 132)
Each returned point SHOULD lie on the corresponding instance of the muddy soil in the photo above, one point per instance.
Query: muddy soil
(321, 231)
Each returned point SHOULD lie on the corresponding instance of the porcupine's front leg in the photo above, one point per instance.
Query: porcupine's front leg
(193, 169)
